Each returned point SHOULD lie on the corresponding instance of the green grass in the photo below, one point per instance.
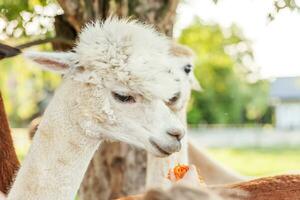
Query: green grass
(259, 161)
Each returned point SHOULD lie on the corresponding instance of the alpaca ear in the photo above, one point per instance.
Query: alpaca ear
(180, 50)
(58, 62)
(195, 84)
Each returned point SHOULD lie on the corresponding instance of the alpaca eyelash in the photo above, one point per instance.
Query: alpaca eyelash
(123, 98)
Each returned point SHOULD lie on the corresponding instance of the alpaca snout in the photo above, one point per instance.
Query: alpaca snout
(165, 148)
(173, 147)
(176, 133)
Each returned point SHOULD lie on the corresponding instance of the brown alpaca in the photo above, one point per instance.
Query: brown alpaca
(283, 187)
(9, 163)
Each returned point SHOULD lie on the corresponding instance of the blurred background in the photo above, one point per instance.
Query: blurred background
(248, 114)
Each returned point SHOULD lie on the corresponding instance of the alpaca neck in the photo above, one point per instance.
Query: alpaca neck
(59, 155)
(212, 172)
(9, 163)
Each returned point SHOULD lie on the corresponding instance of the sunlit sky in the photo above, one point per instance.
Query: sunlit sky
(276, 44)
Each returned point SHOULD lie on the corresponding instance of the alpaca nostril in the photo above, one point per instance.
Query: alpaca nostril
(178, 134)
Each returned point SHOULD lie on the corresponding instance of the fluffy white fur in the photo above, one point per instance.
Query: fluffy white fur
(116, 56)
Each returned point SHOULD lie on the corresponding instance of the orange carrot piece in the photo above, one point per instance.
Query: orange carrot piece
(179, 171)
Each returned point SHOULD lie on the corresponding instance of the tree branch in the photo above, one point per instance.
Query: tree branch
(8, 51)
(44, 41)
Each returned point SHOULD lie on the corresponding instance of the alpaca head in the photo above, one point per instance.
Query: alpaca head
(129, 84)
(183, 57)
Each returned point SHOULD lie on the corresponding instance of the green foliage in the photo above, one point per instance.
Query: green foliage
(257, 109)
(24, 86)
(11, 9)
(228, 95)
(27, 17)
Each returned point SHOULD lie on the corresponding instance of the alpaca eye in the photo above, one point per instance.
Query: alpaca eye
(123, 98)
(187, 68)
(174, 99)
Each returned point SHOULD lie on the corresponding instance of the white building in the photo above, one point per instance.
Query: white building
(285, 93)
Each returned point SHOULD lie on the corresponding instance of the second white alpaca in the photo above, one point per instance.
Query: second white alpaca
(212, 171)
(157, 168)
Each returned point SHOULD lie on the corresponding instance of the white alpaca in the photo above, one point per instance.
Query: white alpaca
(211, 171)
(157, 168)
(119, 83)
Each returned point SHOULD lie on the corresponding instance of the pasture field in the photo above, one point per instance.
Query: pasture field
(256, 161)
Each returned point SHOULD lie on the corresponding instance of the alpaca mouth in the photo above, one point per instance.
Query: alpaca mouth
(159, 148)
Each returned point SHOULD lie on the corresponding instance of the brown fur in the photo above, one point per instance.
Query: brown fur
(182, 192)
(33, 126)
(284, 187)
(9, 163)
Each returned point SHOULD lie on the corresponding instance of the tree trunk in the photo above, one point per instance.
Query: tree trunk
(117, 169)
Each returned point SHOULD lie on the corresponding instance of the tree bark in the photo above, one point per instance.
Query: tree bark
(117, 169)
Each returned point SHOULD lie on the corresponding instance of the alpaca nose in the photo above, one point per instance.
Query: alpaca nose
(176, 133)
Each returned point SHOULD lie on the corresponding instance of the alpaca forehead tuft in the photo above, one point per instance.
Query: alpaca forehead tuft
(130, 53)
(114, 41)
